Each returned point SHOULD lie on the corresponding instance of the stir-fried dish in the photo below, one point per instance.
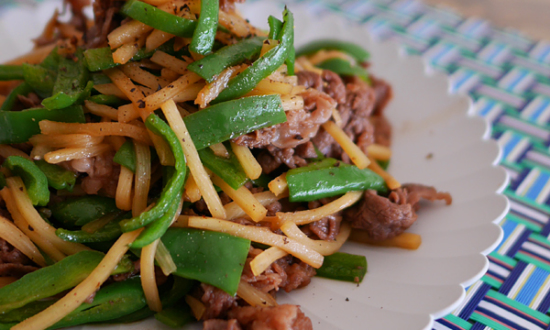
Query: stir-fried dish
(168, 159)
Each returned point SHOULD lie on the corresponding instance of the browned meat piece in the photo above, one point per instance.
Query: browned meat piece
(102, 173)
(105, 20)
(229, 5)
(382, 130)
(310, 79)
(13, 262)
(30, 101)
(300, 127)
(384, 94)
(283, 317)
(216, 324)
(385, 218)
(329, 82)
(217, 302)
(306, 150)
(16, 270)
(267, 162)
(327, 228)
(273, 208)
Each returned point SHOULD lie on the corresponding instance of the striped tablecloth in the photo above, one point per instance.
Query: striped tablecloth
(508, 78)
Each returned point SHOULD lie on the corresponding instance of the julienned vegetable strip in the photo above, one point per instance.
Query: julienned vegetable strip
(174, 184)
(205, 33)
(264, 66)
(11, 72)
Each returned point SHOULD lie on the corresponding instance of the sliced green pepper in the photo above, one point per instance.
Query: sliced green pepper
(275, 27)
(126, 156)
(344, 267)
(209, 257)
(159, 19)
(35, 180)
(99, 78)
(228, 169)
(76, 212)
(49, 281)
(19, 126)
(205, 32)
(176, 316)
(110, 100)
(262, 67)
(311, 183)
(21, 89)
(344, 68)
(357, 52)
(224, 121)
(109, 232)
(175, 183)
(58, 177)
(41, 79)
(263, 181)
(212, 65)
(11, 72)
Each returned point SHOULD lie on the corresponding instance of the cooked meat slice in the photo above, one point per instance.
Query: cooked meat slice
(327, 228)
(13, 262)
(310, 79)
(382, 130)
(217, 324)
(217, 302)
(105, 20)
(229, 5)
(384, 94)
(283, 317)
(416, 192)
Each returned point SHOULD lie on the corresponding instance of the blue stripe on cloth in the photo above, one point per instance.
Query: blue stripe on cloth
(508, 226)
(516, 81)
(538, 185)
(500, 319)
(518, 243)
(508, 307)
(540, 110)
(474, 301)
(512, 278)
(545, 304)
(449, 325)
(532, 286)
(510, 145)
(478, 326)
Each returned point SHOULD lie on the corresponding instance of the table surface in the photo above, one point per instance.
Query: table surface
(529, 16)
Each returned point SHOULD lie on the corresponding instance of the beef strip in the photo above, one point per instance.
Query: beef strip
(383, 92)
(382, 130)
(216, 301)
(13, 262)
(283, 317)
(30, 101)
(229, 5)
(217, 324)
(387, 217)
(105, 20)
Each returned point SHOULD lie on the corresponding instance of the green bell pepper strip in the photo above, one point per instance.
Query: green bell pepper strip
(42, 80)
(35, 180)
(212, 65)
(262, 67)
(49, 281)
(159, 19)
(344, 68)
(71, 83)
(78, 211)
(224, 121)
(309, 185)
(175, 183)
(21, 89)
(205, 32)
(110, 100)
(228, 169)
(263, 181)
(176, 316)
(156, 229)
(109, 232)
(384, 164)
(209, 257)
(23, 313)
(19, 126)
(275, 26)
(58, 177)
(355, 51)
(126, 156)
(11, 72)
(99, 78)
(344, 267)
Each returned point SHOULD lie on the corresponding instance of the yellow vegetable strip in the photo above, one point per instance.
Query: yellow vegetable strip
(24, 226)
(127, 33)
(325, 248)
(268, 45)
(263, 260)
(234, 211)
(355, 153)
(337, 118)
(292, 102)
(406, 240)
(6, 151)
(146, 78)
(309, 216)
(324, 55)
(153, 101)
(259, 235)
(125, 84)
(278, 185)
(270, 86)
(191, 190)
(96, 129)
(11, 234)
(244, 198)
(64, 155)
(148, 280)
(197, 307)
(170, 62)
(123, 197)
(127, 113)
(66, 140)
(125, 52)
(189, 93)
(238, 25)
(85, 289)
(110, 89)
(391, 182)
(101, 110)
(214, 88)
(156, 39)
(193, 161)
(24, 204)
(142, 178)
(255, 297)
(249, 163)
(379, 152)
(164, 259)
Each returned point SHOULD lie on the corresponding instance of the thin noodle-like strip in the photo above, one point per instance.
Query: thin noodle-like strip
(101, 110)
(6, 151)
(127, 113)
(379, 152)
(123, 196)
(170, 62)
(263, 260)
(323, 247)
(219, 150)
(137, 74)
(214, 88)
(197, 307)
(259, 235)
(309, 216)
(67, 154)
(164, 259)
(250, 165)
(148, 279)
(127, 33)
(85, 289)
(156, 39)
(278, 186)
(265, 198)
(110, 89)
(391, 182)
(66, 140)
(254, 296)
(193, 161)
(11, 234)
(355, 153)
(96, 129)
(153, 101)
(191, 191)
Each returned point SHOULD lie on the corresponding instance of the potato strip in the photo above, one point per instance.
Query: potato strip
(270, 86)
(96, 129)
(325, 248)
(250, 165)
(259, 235)
(110, 89)
(101, 110)
(148, 280)
(254, 296)
(191, 190)
(123, 195)
(11, 234)
(142, 178)
(244, 198)
(263, 260)
(197, 307)
(406, 240)
(170, 62)
(214, 88)
(125, 52)
(146, 78)
(164, 259)
(193, 161)
(238, 25)
(127, 113)
(379, 152)
(84, 290)
(190, 93)
(66, 140)
(156, 39)
(127, 33)
(31, 215)
(153, 101)
(6, 151)
(391, 182)
(355, 153)
(278, 186)
(292, 102)
(67, 154)
(309, 216)
(234, 211)
(219, 149)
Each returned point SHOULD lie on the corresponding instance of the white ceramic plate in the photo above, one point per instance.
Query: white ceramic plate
(402, 289)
